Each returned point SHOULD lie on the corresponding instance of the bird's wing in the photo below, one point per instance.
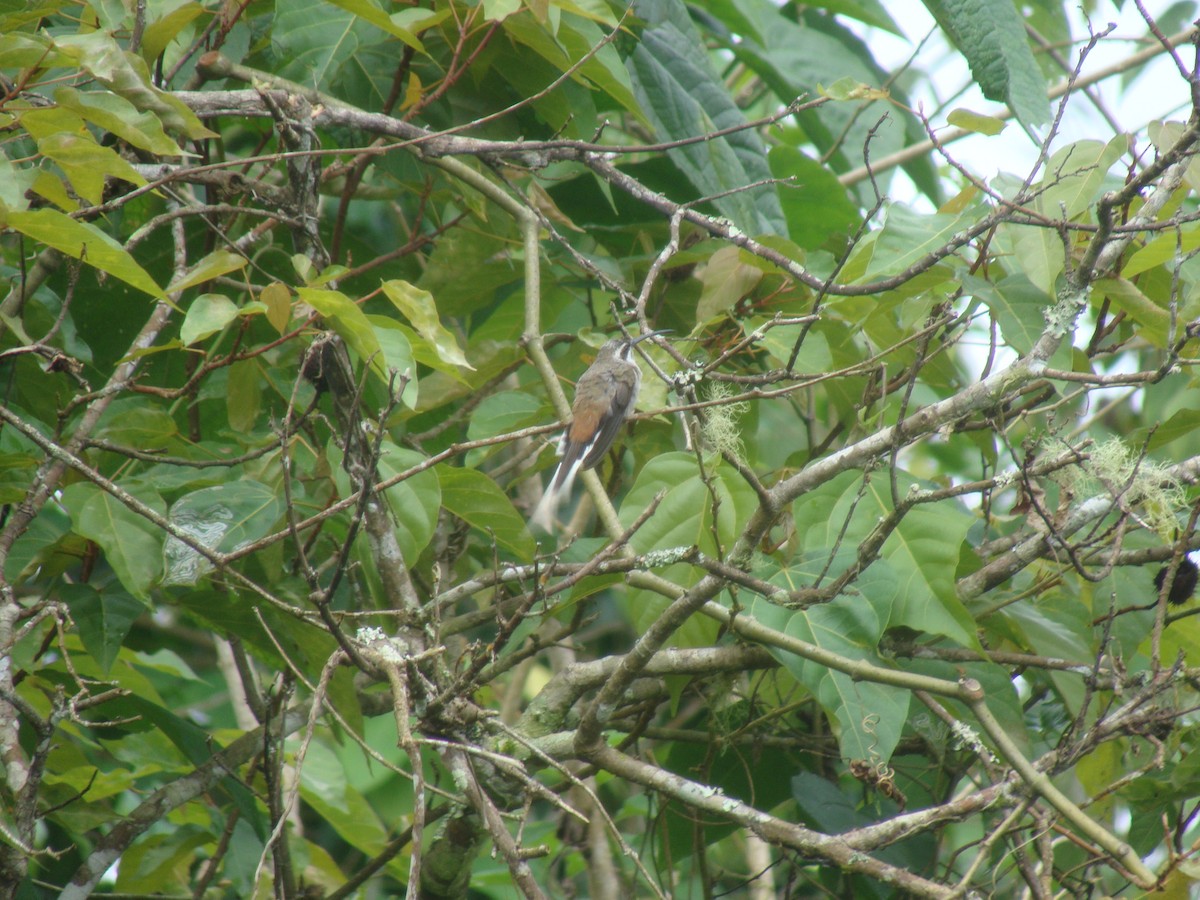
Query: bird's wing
(605, 431)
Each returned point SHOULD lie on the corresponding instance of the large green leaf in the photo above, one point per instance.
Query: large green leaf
(726, 279)
(223, 518)
(870, 716)
(415, 501)
(206, 315)
(87, 164)
(478, 501)
(685, 516)
(683, 99)
(314, 42)
(991, 35)
(219, 262)
(815, 188)
(683, 519)
(419, 308)
(104, 618)
(908, 236)
(351, 323)
(126, 75)
(795, 52)
(388, 22)
(131, 544)
(82, 241)
(118, 115)
(578, 46)
(1017, 304)
(324, 787)
(922, 551)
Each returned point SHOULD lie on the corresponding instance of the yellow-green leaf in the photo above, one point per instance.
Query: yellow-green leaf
(117, 115)
(14, 182)
(216, 263)
(161, 32)
(207, 315)
(87, 163)
(350, 323)
(373, 13)
(278, 301)
(848, 88)
(82, 241)
(418, 307)
(976, 122)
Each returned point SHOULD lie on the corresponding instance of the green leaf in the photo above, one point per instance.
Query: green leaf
(1163, 249)
(35, 550)
(117, 115)
(278, 301)
(991, 35)
(486, 255)
(478, 501)
(398, 357)
(976, 122)
(16, 470)
(908, 236)
(1182, 423)
(217, 263)
(814, 355)
(82, 241)
(1153, 321)
(922, 551)
(372, 12)
(23, 50)
(128, 421)
(244, 394)
(577, 46)
(1075, 177)
(131, 545)
(158, 863)
(683, 98)
(419, 308)
(814, 187)
(324, 787)
(1017, 304)
(206, 315)
(415, 501)
(503, 412)
(14, 182)
(167, 27)
(350, 322)
(313, 43)
(683, 519)
(87, 163)
(126, 74)
(167, 662)
(270, 633)
(103, 618)
(222, 518)
(847, 88)
(870, 716)
(726, 280)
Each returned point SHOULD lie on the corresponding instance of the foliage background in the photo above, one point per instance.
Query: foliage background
(860, 605)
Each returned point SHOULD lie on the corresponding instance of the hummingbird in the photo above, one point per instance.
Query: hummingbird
(605, 395)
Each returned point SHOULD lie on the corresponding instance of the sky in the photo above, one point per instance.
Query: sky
(1157, 92)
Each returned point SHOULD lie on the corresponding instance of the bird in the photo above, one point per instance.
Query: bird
(605, 395)
(1184, 584)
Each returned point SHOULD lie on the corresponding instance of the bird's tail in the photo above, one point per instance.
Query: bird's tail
(560, 486)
